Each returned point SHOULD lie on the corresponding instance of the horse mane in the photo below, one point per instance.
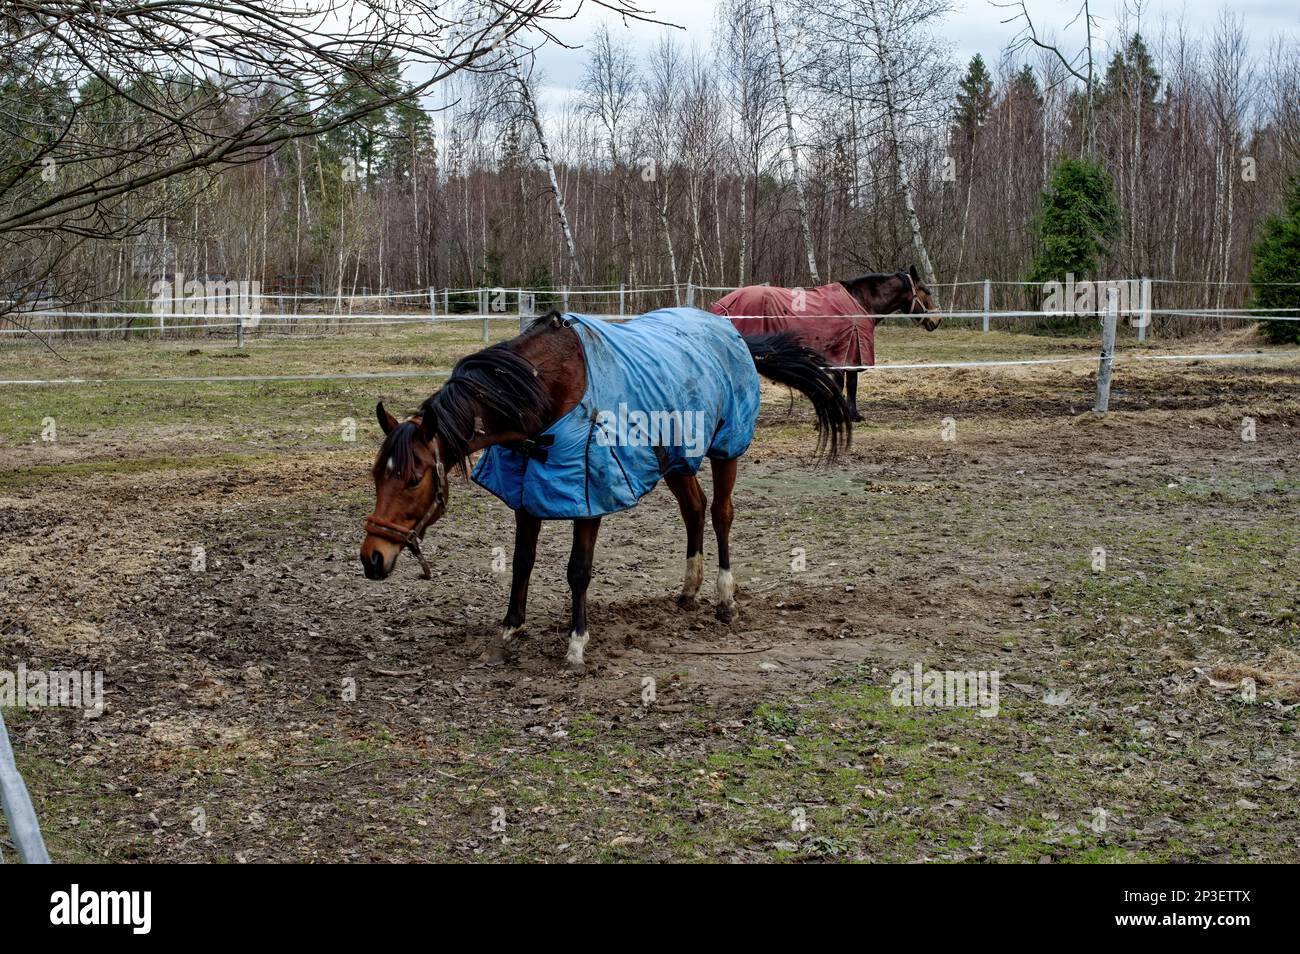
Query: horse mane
(872, 278)
(495, 385)
(397, 451)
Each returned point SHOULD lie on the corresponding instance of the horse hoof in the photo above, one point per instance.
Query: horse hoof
(687, 602)
(726, 612)
(573, 669)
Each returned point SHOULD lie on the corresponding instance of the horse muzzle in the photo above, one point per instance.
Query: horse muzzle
(930, 321)
(375, 564)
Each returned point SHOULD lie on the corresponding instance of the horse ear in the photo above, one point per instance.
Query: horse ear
(386, 421)
(912, 271)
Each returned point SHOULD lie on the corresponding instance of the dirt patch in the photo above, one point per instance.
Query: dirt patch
(265, 702)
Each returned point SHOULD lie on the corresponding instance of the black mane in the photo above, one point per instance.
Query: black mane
(496, 385)
(397, 454)
(873, 279)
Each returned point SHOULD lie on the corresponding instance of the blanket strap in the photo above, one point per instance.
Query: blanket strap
(536, 447)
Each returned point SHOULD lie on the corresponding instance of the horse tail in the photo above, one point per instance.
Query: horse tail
(778, 358)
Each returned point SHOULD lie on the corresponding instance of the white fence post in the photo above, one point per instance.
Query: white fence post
(690, 294)
(988, 289)
(1145, 318)
(483, 310)
(1107, 351)
(622, 299)
(24, 830)
(564, 297)
(433, 304)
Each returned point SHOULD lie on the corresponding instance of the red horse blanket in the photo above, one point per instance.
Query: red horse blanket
(827, 319)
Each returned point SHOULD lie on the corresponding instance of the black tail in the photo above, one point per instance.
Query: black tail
(778, 358)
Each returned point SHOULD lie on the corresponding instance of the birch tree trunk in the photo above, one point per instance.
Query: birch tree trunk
(744, 229)
(544, 148)
(661, 204)
(791, 144)
(904, 181)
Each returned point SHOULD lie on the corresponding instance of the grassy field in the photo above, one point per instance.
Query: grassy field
(1123, 732)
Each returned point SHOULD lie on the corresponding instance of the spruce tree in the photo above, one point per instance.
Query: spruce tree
(1077, 216)
(1276, 270)
(974, 98)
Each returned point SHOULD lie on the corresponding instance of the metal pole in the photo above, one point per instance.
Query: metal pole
(988, 289)
(690, 294)
(622, 299)
(1107, 352)
(23, 827)
(446, 301)
(564, 297)
(433, 304)
(483, 310)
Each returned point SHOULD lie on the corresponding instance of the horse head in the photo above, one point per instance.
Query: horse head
(918, 301)
(410, 493)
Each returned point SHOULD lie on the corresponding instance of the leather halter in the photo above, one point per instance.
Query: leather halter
(410, 538)
(916, 299)
(923, 315)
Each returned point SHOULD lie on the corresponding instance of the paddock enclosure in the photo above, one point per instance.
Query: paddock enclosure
(1129, 578)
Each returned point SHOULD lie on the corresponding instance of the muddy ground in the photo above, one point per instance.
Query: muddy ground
(1123, 729)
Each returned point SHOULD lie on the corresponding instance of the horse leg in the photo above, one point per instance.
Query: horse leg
(526, 529)
(851, 388)
(584, 546)
(692, 502)
(724, 479)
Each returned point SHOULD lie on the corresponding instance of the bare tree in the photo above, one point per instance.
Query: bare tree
(523, 83)
(113, 99)
(609, 95)
(792, 143)
(745, 59)
(690, 155)
(1081, 65)
(662, 95)
(908, 64)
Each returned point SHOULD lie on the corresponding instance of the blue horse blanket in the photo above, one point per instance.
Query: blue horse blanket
(664, 391)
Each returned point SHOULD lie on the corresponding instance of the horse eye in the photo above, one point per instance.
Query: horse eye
(414, 481)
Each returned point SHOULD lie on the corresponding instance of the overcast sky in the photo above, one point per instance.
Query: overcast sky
(974, 27)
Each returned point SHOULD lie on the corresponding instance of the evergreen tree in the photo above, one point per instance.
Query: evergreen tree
(1078, 215)
(974, 98)
(1130, 75)
(1024, 87)
(366, 143)
(1276, 269)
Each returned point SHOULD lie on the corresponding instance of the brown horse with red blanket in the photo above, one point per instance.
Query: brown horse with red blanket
(838, 320)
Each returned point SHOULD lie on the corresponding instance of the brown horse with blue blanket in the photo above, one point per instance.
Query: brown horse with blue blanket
(578, 418)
